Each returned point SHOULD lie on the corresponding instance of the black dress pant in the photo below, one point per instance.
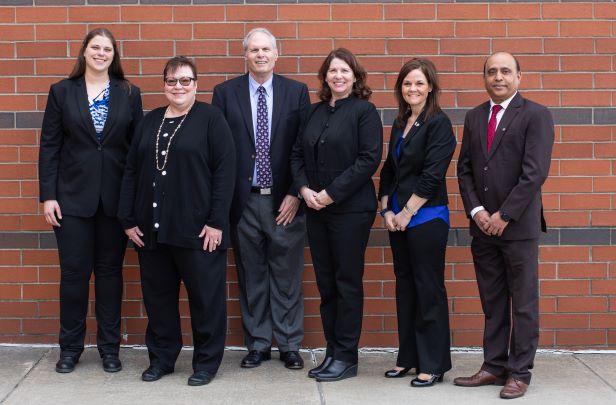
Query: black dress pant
(509, 290)
(204, 276)
(337, 244)
(90, 244)
(421, 298)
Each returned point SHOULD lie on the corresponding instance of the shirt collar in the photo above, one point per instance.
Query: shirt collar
(504, 104)
(254, 85)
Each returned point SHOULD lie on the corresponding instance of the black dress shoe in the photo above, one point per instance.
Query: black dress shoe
(254, 358)
(153, 373)
(337, 370)
(66, 364)
(200, 378)
(111, 363)
(292, 360)
(312, 373)
(393, 373)
(417, 382)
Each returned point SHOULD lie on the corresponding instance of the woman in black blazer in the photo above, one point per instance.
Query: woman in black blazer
(87, 129)
(174, 206)
(413, 198)
(333, 162)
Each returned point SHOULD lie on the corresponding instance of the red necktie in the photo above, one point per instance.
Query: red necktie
(492, 124)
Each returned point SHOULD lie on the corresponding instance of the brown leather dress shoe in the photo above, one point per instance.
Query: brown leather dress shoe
(513, 389)
(478, 379)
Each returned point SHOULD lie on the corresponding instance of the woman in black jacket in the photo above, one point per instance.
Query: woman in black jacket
(413, 198)
(174, 206)
(85, 136)
(333, 162)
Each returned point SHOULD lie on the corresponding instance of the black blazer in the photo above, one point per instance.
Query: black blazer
(200, 179)
(338, 150)
(290, 98)
(425, 155)
(509, 178)
(74, 168)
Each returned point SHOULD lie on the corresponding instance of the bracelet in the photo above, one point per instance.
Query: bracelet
(410, 211)
(384, 211)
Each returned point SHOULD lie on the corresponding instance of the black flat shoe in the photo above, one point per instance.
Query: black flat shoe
(254, 358)
(434, 378)
(111, 363)
(200, 378)
(337, 370)
(153, 373)
(66, 364)
(292, 360)
(393, 373)
(312, 373)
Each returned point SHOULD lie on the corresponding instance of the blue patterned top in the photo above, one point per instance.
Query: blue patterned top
(98, 111)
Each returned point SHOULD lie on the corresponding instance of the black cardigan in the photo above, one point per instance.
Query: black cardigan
(199, 186)
(339, 149)
(425, 155)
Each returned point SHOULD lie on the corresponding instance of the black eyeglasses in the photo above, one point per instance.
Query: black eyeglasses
(184, 81)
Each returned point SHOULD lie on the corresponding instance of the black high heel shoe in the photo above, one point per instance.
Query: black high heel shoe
(393, 373)
(417, 382)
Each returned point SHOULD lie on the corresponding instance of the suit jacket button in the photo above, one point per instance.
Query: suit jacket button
(99, 147)
(485, 188)
(485, 169)
(250, 178)
(322, 142)
(252, 156)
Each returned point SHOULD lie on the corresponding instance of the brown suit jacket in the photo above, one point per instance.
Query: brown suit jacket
(509, 177)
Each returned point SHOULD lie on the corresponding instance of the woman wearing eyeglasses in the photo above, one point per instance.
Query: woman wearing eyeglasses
(86, 133)
(174, 206)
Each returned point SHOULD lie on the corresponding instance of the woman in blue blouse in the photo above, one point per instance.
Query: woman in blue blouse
(413, 199)
(85, 136)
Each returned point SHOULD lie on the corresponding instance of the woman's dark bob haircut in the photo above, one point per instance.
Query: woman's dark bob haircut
(177, 62)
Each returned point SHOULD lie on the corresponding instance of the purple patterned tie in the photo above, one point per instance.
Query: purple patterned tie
(492, 124)
(264, 169)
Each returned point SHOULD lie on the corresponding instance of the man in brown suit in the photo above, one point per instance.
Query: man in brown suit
(504, 160)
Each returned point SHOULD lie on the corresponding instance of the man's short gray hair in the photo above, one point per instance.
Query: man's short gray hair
(256, 30)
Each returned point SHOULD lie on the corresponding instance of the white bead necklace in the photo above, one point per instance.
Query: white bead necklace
(166, 154)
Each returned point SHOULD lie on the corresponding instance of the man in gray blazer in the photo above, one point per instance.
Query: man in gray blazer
(267, 226)
(504, 160)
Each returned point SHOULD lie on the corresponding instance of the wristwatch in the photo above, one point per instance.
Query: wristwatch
(504, 216)
(384, 211)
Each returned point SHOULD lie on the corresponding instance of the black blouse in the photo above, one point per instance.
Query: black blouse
(338, 150)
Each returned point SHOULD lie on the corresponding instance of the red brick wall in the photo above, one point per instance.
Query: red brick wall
(567, 56)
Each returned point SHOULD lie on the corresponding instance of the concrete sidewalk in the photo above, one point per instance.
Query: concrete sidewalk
(27, 377)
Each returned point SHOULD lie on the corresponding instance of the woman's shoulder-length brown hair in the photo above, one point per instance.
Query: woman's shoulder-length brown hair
(360, 88)
(432, 106)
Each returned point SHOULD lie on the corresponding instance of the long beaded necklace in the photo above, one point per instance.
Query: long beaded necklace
(161, 168)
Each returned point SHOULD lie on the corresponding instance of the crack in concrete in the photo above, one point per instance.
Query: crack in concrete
(606, 382)
(23, 377)
(319, 385)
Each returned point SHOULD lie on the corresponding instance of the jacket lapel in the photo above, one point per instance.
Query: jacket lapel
(115, 98)
(512, 110)
(243, 99)
(484, 117)
(84, 107)
(278, 98)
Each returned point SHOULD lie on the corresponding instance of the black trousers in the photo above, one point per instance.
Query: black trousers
(509, 290)
(337, 244)
(204, 276)
(90, 244)
(421, 298)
